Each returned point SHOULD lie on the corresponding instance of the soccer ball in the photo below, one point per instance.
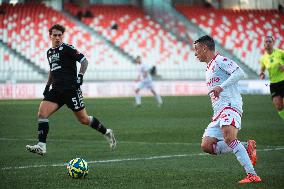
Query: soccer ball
(77, 168)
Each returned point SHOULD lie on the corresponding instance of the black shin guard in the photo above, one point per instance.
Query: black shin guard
(43, 128)
(96, 124)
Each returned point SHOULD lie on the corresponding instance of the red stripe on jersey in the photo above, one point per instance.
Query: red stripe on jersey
(226, 108)
(233, 123)
(209, 64)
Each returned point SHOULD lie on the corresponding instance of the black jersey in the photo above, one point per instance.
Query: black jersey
(62, 61)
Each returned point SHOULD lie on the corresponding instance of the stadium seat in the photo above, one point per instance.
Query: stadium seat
(13, 69)
(138, 34)
(239, 31)
(25, 29)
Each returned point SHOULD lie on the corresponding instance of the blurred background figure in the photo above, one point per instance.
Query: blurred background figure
(144, 80)
(273, 61)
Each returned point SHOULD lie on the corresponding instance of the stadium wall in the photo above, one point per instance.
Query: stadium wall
(126, 89)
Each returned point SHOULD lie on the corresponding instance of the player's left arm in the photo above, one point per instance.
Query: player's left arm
(84, 65)
(79, 57)
(235, 74)
(281, 66)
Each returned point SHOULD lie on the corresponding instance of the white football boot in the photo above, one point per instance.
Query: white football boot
(39, 148)
(110, 138)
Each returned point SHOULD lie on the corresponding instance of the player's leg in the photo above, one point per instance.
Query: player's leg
(230, 135)
(277, 94)
(157, 96)
(207, 144)
(216, 144)
(46, 108)
(278, 104)
(230, 123)
(94, 123)
(149, 85)
(213, 141)
(137, 94)
(74, 101)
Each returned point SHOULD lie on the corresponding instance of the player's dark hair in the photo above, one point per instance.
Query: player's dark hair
(207, 41)
(269, 36)
(57, 27)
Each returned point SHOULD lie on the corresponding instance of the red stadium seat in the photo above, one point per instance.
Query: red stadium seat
(240, 31)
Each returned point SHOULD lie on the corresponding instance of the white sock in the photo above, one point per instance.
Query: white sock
(242, 156)
(221, 147)
(159, 99)
(245, 144)
(42, 144)
(138, 99)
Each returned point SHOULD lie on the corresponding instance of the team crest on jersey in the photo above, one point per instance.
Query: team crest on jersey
(60, 48)
(225, 117)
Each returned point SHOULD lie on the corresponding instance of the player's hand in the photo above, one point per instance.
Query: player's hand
(46, 90)
(216, 91)
(79, 80)
(261, 75)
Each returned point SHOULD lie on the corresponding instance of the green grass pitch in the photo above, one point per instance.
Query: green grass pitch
(157, 147)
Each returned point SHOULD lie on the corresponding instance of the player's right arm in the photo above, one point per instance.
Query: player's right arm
(262, 69)
(49, 82)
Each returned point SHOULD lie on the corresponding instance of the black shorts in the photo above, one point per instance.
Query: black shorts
(277, 89)
(73, 98)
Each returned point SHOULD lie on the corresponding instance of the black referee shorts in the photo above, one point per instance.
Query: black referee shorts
(73, 98)
(277, 89)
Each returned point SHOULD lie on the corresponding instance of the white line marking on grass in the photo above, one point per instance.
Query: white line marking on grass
(128, 159)
(99, 141)
(120, 142)
(108, 161)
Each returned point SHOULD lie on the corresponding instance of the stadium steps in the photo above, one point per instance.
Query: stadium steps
(25, 60)
(101, 37)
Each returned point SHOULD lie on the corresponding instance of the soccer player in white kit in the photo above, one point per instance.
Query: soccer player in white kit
(220, 136)
(144, 80)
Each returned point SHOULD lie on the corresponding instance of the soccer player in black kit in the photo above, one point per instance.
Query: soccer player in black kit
(65, 89)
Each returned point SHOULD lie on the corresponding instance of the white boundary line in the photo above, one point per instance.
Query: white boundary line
(100, 141)
(128, 159)
(120, 142)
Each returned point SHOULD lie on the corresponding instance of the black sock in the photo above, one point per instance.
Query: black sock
(96, 124)
(43, 128)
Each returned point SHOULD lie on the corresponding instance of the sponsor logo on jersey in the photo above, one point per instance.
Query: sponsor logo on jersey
(54, 67)
(212, 81)
(54, 58)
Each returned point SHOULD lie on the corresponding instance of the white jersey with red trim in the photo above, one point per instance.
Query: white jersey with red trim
(218, 71)
(143, 72)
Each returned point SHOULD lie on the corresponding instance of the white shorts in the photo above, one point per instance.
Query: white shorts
(148, 84)
(227, 117)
